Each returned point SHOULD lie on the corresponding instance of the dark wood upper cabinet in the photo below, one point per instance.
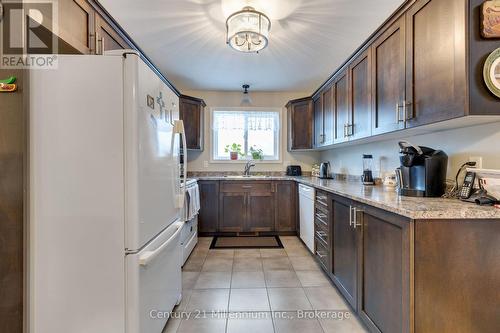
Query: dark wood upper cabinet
(328, 116)
(285, 198)
(300, 124)
(76, 25)
(106, 37)
(345, 251)
(324, 117)
(388, 79)
(435, 62)
(208, 217)
(384, 272)
(192, 112)
(318, 121)
(360, 96)
(342, 110)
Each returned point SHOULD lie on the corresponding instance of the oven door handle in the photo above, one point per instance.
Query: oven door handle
(149, 256)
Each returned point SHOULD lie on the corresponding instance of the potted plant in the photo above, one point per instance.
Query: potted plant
(257, 154)
(234, 150)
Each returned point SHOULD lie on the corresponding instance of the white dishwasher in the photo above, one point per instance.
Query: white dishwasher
(306, 215)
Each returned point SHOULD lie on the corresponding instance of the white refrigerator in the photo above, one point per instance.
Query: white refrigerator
(104, 197)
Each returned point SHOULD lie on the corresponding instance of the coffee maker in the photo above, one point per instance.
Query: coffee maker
(422, 172)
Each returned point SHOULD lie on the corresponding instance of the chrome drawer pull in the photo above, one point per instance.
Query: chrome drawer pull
(321, 256)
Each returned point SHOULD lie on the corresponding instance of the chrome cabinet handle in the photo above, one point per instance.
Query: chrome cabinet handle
(321, 233)
(99, 44)
(406, 106)
(350, 216)
(320, 255)
(321, 216)
(398, 113)
(246, 186)
(355, 212)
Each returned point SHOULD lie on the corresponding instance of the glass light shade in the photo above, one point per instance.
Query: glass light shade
(248, 30)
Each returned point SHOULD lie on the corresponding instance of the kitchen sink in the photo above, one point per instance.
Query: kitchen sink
(249, 177)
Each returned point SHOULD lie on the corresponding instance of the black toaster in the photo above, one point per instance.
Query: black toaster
(293, 170)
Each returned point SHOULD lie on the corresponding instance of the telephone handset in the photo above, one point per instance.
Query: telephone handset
(468, 185)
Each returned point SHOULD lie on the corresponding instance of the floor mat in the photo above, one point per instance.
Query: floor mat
(254, 242)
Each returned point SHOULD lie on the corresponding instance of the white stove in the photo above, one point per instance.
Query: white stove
(189, 234)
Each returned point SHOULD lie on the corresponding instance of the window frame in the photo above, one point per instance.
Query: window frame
(278, 144)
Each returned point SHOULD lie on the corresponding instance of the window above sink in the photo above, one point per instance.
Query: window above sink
(257, 129)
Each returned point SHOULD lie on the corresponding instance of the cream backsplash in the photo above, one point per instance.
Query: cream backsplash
(200, 161)
(459, 144)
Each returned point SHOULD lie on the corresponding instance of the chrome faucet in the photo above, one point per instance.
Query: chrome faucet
(249, 165)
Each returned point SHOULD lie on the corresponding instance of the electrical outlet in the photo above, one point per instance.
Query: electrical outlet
(478, 160)
(205, 164)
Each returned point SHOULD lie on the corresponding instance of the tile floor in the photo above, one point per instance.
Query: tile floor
(252, 290)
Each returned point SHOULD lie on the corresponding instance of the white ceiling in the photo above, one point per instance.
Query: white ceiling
(309, 39)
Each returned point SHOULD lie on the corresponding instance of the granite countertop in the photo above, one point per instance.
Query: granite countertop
(387, 198)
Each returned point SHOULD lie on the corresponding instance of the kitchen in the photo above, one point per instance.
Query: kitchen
(281, 166)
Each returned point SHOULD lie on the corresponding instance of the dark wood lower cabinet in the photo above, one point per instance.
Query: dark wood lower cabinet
(345, 251)
(371, 264)
(208, 217)
(285, 199)
(457, 276)
(384, 279)
(260, 212)
(233, 212)
(251, 206)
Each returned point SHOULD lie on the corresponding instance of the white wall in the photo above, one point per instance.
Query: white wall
(459, 144)
(200, 161)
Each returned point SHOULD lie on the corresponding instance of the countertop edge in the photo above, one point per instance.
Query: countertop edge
(489, 213)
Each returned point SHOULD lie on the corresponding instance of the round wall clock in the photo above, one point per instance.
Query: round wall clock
(491, 72)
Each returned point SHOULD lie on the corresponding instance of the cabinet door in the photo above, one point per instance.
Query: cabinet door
(191, 112)
(435, 73)
(388, 79)
(300, 125)
(260, 212)
(318, 121)
(107, 38)
(208, 217)
(345, 252)
(76, 25)
(233, 212)
(286, 205)
(384, 274)
(341, 107)
(361, 103)
(328, 116)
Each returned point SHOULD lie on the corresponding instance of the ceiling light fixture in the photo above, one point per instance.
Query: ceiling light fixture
(248, 30)
(246, 100)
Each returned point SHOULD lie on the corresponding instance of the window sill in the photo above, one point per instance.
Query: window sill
(245, 161)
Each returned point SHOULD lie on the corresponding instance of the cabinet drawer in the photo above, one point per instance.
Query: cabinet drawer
(321, 217)
(322, 199)
(321, 234)
(254, 187)
(322, 253)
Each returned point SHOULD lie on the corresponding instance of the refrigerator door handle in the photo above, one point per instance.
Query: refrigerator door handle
(179, 129)
(149, 256)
